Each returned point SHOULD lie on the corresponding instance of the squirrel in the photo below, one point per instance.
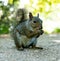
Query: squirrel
(26, 32)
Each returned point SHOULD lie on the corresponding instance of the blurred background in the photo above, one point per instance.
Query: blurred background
(49, 11)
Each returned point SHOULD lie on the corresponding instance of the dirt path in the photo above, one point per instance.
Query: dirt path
(51, 51)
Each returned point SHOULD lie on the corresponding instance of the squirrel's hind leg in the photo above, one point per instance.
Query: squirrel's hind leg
(17, 41)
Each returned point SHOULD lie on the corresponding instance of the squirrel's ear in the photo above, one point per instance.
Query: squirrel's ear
(30, 15)
(38, 15)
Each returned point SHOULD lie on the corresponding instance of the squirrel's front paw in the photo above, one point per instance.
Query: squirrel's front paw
(42, 32)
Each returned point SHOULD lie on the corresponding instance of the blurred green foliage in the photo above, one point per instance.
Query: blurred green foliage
(44, 7)
(4, 29)
(57, 30)
(4, 16)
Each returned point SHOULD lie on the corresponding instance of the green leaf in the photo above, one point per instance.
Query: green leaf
(10, 1)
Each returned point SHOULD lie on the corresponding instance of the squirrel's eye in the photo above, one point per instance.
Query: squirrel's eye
(34, 21)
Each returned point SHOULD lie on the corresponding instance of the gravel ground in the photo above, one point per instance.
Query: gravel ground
(51, 51)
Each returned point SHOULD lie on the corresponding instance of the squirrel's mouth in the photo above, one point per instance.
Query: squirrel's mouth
(39, 27)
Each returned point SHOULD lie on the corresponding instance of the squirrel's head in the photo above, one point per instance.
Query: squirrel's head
(35, 21)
